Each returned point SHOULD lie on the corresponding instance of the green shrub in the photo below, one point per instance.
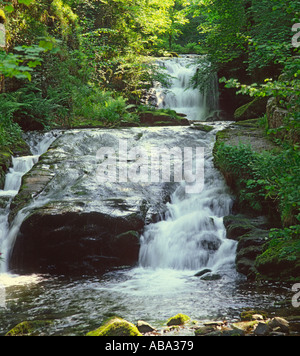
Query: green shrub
(10, 132)
(98, 106)
(263, 180)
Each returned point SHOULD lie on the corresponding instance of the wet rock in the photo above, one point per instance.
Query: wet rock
(144, 327)
(179, 319)
(245, 326)
(116, 327)
(211, 277)
(203, 331)
(262, 329)
(251, 234)
(202, 272)
(279, 325)
(29, 328)
(73, 223)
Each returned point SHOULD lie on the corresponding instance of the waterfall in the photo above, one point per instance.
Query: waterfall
(192, 236)
(39, 144)
(180, 95)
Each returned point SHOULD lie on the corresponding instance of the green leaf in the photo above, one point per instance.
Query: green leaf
(25, 2)
(9, 9)
(33, 64)
(47, 45)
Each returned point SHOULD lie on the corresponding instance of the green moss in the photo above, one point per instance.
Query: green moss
(179, 319)
(201, 127)
(5, 162)
(116, 327)
(247, 315)
(281, 260)
(28, 328)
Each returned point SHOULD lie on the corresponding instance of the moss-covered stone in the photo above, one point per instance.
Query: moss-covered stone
(280, 260)
(179, 319)
(29, 328)
(5, 162)
(201, 127)
(255, 108)
(116, 327)
(247, 315)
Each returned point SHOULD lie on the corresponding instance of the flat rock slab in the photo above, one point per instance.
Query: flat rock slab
(70, 222)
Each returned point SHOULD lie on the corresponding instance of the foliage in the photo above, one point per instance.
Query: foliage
(20, 65)
(94, 106)
(10, 132)
(264, 179)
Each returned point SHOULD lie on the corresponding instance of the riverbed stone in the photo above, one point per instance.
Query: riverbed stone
(279, 324)
(145, 327)
(262, 329)
(252, 234)
(73, 223)
(116, 327)
(179, 319)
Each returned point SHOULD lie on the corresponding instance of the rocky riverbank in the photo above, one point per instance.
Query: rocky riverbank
(251, 323)
(254, 214)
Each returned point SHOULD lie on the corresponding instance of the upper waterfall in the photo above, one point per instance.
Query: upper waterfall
(180, 95)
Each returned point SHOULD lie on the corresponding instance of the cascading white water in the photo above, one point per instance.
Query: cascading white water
(39, 144)
(192, 236)
(180, 95)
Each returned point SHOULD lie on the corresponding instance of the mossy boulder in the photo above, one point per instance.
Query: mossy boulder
(280, 260)
(179, 319)
(254, 109)
(5, 162)
(116, 327)
(251, 315)
(29, 328)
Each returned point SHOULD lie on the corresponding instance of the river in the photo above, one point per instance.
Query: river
(189, 237)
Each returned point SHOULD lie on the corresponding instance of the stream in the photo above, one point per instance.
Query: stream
(188, 238)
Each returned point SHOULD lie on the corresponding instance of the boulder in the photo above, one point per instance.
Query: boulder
(116, 327)
(251, 234)
(29, 328)
(144, 327)
(179, 319)
(262, 329)
(70, 222)
(280, 325)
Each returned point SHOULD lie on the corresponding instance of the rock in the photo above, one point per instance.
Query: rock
(202, 272)
(275, 114)
(252, 110)
(161, 118)
(70, 223)
(214, 323)
(179, 319)
(262, 329)
(29, 328)
(116, 327)
(207, 331)
(250, 315)
(279, 325)
(276, 264)
(251, 234)
(239, 225)
(257, 317)
(234, 332)
(5, 162)
(144, 327)
(246, 326)
(211, 277)
(203, 331)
